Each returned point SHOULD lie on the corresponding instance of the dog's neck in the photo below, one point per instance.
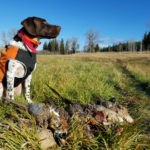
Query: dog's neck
(19, 44)
(25, 42)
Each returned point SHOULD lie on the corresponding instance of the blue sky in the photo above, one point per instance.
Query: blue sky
(115, 20)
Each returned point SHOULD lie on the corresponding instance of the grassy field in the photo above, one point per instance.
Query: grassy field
(81, 78)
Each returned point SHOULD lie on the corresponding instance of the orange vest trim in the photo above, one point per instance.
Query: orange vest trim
(9, 53)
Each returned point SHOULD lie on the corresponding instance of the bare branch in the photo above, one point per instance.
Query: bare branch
(92, 39)
(7, 36)
(4, 38)
(12, 32)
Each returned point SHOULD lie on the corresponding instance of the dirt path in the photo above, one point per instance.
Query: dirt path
(141, 88)
(138, 85)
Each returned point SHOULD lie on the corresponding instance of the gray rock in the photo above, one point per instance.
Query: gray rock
(46, 138)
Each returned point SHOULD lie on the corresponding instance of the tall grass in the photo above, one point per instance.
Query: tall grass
(77, 80)
(81, 78)
(17, 136)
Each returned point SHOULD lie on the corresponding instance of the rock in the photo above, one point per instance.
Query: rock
(46, 138)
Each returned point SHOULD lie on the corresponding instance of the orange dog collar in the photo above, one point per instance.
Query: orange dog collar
(31, 40)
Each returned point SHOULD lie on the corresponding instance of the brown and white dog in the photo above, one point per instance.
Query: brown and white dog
(18, 61)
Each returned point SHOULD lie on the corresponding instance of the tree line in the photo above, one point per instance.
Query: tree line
(92, 45)
(71, 45)
(126, 46)
(61, 47)
(131, 45)
(146, 41)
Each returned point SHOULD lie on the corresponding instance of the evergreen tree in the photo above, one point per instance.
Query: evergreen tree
(56, 46)
(62, 49)
(49, 48)
(148, 41)
(53, 42)
(75, 45)
(45, 46)
(67, 47)
(145, 41)
(97, 49)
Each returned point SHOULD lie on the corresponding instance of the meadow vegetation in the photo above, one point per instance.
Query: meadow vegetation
(82, 78)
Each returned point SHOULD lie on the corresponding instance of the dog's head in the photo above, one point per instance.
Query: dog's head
(39, 28)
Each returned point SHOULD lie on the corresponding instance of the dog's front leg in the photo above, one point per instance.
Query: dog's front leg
(10, 75)
(27, 88)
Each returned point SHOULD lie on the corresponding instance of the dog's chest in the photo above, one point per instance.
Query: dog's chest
(27, 62)
(27, 58)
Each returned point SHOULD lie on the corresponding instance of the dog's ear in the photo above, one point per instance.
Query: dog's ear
(30, 25)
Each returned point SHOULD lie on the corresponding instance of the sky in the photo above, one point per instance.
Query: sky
(114, 20)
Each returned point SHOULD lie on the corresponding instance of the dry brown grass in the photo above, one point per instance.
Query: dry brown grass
(113, 55)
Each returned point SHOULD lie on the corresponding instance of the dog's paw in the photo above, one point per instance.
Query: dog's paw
(9, 96)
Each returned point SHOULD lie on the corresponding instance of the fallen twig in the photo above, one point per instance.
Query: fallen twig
(67, 101)
(19, 104)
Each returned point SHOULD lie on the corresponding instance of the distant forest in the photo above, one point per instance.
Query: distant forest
(72, 46)
(132, 46)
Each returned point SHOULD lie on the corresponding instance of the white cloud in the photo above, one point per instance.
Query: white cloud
(116, 41)
(103, 45)
(106, 41)
(102, 40)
